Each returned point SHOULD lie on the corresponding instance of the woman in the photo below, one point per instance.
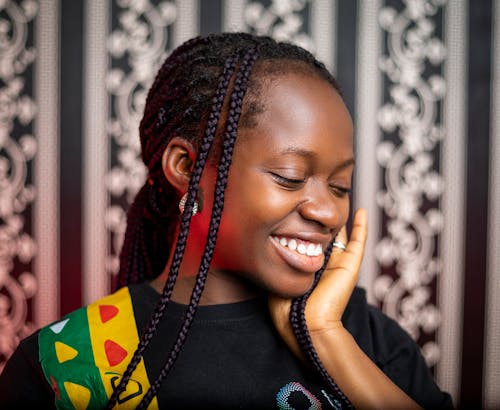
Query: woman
(235, 254)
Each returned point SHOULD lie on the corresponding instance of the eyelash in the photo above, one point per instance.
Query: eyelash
(297, 183)
(341, 191)
(287, 182)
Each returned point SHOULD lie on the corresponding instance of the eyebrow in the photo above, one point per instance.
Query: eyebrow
(299, 151)
(309, 154)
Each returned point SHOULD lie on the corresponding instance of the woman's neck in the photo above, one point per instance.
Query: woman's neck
(221, 287)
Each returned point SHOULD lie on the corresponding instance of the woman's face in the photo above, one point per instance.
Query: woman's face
(288, 187)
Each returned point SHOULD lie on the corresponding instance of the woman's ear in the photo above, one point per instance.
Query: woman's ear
(177, 163)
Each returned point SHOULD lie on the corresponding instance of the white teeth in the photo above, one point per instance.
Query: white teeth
(319, 250)
(311, 250)
(302, 249)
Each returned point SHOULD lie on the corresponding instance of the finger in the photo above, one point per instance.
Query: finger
(359, 231)
(341, 238)
(353, 254)
(350, 258)
(340, 276)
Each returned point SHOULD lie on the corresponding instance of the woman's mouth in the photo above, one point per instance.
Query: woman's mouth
(300, 254)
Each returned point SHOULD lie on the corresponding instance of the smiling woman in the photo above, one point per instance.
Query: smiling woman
(289, 181)
(228, 257)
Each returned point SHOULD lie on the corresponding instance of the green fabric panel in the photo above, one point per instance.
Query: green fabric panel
(81, 369)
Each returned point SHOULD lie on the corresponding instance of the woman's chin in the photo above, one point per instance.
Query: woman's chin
(292, 290)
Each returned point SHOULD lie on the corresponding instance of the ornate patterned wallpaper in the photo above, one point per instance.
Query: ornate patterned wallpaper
(407, 251)
(18, 147)
(137, 46)
(401, 49)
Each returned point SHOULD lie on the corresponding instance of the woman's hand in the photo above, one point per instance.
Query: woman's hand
(366, 386)
(327, 303)
(325, 306)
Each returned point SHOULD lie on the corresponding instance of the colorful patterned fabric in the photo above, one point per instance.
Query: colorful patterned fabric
(84, 355)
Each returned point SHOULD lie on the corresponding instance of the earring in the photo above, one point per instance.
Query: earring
(182, 204)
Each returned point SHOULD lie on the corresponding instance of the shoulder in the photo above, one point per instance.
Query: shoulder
(393, 350)
(80, 352)
(75, 361)
(22, 384)
(76, 333)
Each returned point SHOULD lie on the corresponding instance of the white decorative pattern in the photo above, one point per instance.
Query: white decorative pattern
(413, 185)
(17, 111)
(140, 43)
(281, 20)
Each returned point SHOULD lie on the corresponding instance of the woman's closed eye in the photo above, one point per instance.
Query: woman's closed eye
(287, 182)
(296, 183)
(340, 190)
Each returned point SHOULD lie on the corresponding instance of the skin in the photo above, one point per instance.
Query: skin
(290, 177)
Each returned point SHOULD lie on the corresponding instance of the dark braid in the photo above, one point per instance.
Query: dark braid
(299, 326)
(183, 231)
(235, 104)
(193, 78)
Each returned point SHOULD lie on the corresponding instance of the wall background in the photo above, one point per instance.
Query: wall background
(420, 78)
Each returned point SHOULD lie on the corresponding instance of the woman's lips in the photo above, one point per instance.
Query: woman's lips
(300, 254)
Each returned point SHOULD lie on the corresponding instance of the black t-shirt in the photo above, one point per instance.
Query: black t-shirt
(234, 359)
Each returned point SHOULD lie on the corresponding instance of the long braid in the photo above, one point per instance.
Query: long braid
(183, 231)
(235, 104)
(299, 326)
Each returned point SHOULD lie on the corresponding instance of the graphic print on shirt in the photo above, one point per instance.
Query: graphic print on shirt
(290, 392)
(294, 396)
(84, 355)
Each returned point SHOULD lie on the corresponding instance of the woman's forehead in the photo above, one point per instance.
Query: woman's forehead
(299, 112)
(264, 76)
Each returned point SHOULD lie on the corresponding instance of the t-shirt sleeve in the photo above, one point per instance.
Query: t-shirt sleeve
(401, 360)
(22, 384)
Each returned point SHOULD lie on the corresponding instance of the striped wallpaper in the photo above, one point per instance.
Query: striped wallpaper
(421, 79)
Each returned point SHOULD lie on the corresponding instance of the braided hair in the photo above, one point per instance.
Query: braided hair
(206, 90)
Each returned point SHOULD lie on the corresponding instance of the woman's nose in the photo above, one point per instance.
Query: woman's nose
(320, 205)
